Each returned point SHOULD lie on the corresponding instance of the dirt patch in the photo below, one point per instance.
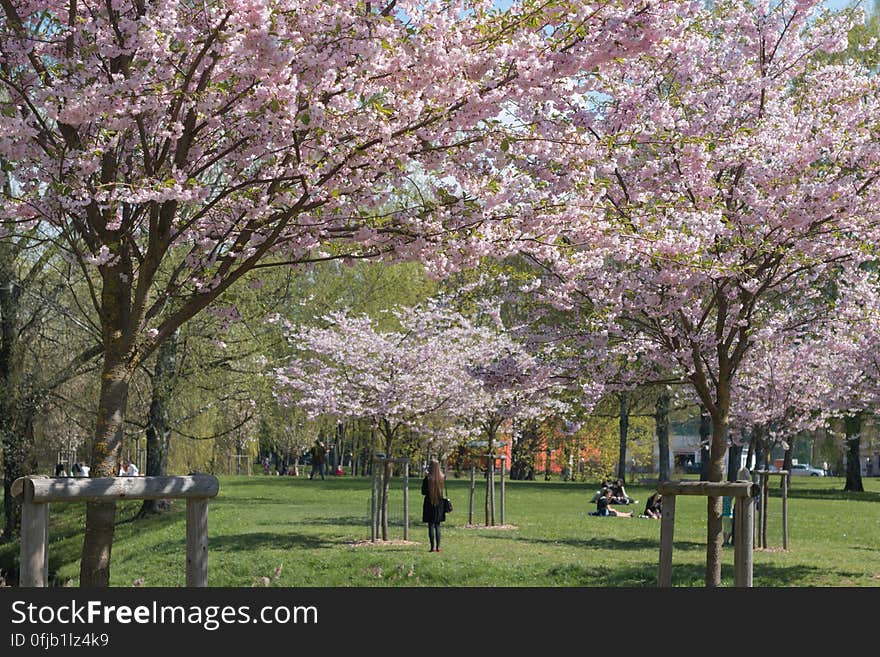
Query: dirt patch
(501, 527)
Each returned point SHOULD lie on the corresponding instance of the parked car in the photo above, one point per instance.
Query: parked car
(806, 470)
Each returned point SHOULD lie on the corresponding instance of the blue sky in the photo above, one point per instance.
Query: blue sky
(838, 4)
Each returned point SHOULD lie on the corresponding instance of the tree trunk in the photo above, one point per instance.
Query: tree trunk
(706, 436)
(714, 535)
(524, 452)
(786, 459)
(12, 438)
(118, 332)
(853, 427)
(355, 450)
(159, 424)
(386, 485)
(734, 456)
(750, 455)
(624, 431)
(490, 481)
(760, 447)
(101, 516)
(17, 462)
(713, 467)
(661, 423)
(16, 441)
(336, 461)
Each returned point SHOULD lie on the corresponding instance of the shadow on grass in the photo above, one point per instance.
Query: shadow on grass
(252, 542)
(267, 541)
(683, 575)
(603, 543)
(826, 494)
(773, 575)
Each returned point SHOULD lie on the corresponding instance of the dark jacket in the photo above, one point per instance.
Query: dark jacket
(431, 512)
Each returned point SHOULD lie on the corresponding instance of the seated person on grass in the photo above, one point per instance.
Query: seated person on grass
(601, 492)
(618, 494)
(653, 507)
(604, 508)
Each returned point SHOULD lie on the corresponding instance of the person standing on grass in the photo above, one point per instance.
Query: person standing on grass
(727, 519)
(319, 453)
(433, 511)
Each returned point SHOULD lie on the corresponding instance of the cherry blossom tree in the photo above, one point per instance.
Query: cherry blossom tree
(512, 385)
(802, 378)
(852, 342)
(784, 387)
(742, 176)
(170, 148)
(440, 375)
(846, 345)
(413, 378)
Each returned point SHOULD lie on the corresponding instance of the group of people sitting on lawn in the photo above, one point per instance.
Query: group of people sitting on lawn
(613, 493)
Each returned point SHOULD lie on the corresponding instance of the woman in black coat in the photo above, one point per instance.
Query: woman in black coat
(433, 511)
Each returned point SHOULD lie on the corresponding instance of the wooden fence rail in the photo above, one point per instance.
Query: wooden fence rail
(742, 491)
(760, 537)
(38, 492)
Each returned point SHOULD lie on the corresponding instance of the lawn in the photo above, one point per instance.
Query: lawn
(289, 532)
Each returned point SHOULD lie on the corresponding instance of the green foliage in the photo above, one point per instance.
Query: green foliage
(600, 441)
(223, 395)
(864, 46)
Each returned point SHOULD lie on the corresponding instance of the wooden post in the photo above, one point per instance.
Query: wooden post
(406, 500)
(471, 499)
(502, 488)
(765, 485)
(197, 542)
(742, 538)
(373, 513)
(759, 515)
(667, 530)
(785, 511)
(743, 491)
(490, 490)
(755, 524)
(38, 492)
(34, 550)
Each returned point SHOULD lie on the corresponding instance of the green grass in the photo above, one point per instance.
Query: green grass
(314, 531)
